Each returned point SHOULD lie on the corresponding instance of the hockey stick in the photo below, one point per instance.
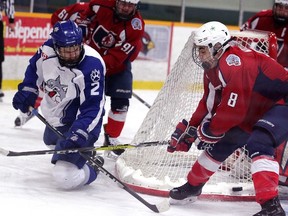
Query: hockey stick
(39, 116)
(141, 100)
(51, 151)
(76, 150)
(161, 207)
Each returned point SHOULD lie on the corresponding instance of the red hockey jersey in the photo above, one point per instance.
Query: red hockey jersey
(237, 92)
(264, 21)
(116, 40)
(70, 12)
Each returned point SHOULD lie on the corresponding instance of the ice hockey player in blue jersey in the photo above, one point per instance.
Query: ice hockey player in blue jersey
(71, 77)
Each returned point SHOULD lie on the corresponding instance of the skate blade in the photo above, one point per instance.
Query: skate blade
(110, 155)
(186, 201)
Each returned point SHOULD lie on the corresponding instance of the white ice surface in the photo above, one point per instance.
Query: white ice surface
(26, 187)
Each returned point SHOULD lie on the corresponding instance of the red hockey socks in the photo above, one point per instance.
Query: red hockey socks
(203, 168)
(115, 124)
(265, 174)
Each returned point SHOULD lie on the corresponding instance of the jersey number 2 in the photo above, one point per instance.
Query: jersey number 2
(95, 87)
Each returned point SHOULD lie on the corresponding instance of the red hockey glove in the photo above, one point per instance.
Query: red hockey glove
(182, 138)
(205, 135)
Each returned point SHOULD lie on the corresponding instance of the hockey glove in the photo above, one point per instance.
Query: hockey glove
(24, 98)
(76, 139)
(182, 138)
(205, 135)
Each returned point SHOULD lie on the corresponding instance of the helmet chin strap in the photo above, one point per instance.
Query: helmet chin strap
(206, 65)
(224, 46)
(209, 64)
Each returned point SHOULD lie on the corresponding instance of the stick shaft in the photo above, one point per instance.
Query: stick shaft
(141, 100)
(76, 150)
(152, 207)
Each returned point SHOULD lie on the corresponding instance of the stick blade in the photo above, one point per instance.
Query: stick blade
(163, 206)
(4, 152)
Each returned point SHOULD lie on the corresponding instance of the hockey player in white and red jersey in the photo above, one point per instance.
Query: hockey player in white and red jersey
(71, 76)
(243, 103)
(275, 20)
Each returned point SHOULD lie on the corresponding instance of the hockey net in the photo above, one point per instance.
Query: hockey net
(152, 170)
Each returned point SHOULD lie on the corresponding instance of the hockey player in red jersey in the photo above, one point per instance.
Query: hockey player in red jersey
(72, 12)
(243, 103)
(275, 20)
(115, 29)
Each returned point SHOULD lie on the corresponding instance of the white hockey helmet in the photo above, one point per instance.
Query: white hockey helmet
(213, 35)
(280, 11)
(126, 9)
(131, 1)
(281, 2)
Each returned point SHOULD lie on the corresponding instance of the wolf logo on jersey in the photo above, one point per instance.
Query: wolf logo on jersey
(55, 89)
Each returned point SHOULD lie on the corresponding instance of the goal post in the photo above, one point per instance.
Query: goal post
(152, 170)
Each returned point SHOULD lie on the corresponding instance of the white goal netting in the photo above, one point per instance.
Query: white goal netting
(152, 170)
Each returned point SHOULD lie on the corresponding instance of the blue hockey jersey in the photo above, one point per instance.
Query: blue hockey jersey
(71, 96)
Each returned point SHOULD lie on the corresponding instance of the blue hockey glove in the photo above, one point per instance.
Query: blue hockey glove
(76, 139)
(182, 138)
(25, 98)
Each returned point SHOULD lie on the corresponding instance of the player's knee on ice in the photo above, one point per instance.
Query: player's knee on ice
(68, 176)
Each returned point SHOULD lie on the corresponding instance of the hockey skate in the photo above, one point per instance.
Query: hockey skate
(184, 194)
(1, 95)
(271, 208)
(109, 141)
(22, 119)
(99, 159)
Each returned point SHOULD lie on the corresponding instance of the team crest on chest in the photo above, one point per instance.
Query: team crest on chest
(103, 38)
(108, 41)
(55, 89)
(136, 24)
(233, 59)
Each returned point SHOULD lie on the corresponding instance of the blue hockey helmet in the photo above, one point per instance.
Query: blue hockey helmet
(67, 38)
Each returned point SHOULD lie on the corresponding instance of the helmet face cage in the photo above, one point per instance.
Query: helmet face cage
(67, 38)
(69, 56)
(207, 62)
(215, 37)
(196, 55)
(280, 11)
(125, 9)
